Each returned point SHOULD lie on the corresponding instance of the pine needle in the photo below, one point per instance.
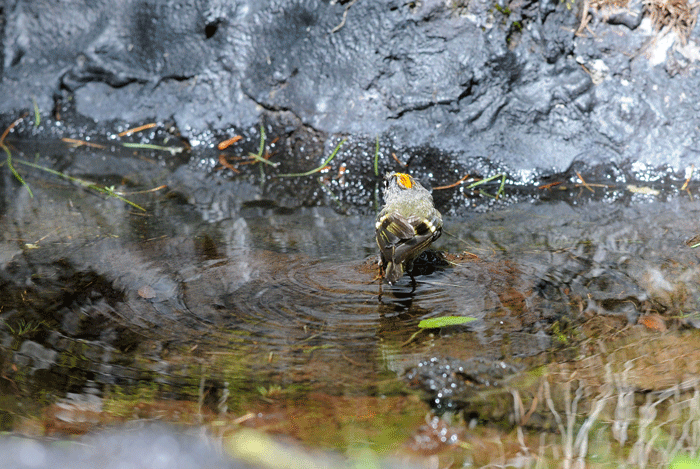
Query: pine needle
(450, 186)
(137, 129)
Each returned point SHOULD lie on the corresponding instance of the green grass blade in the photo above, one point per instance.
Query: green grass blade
(82, 182)
(489, 179)
(262, 159)
(111, 193)
(37, 114)
(262, 141)
(376, 158)
(259, 156)
(315, 170)
(14, 171)
(150, 146)
(76, 180)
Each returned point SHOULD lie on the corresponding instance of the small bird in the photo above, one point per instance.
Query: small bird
(406, 226)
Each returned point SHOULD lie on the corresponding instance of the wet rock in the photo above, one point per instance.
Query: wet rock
(434, 436)
(483, 88)
(149, 446)
(630, 15)
(660, 289)
(35, 356)
(451, 384)
(76, 414)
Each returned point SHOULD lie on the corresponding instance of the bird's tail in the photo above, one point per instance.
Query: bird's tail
(393, 272)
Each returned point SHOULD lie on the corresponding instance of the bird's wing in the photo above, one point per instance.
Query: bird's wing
(424, 234)
(393, 228)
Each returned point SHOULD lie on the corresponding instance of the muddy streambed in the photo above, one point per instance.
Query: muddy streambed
(222, 307)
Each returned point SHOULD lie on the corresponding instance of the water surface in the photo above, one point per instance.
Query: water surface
(220, 303)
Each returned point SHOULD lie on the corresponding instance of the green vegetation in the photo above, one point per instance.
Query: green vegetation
(150, 146)
(376, 158)
(8, 161)
(504, 10)
(259, 157)
(22, 327)
(489, 179)
(444, 321)
(37, 114)
(109, 191)
(323, 165)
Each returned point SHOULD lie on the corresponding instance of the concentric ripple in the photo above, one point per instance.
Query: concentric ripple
(301, 297)
(296, 298)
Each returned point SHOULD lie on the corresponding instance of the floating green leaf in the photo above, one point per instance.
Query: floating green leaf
(683, 461)
(444, 321)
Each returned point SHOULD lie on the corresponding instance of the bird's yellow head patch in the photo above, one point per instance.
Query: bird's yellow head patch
(404, 180)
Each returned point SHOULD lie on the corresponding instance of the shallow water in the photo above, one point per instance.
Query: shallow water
(218, 301)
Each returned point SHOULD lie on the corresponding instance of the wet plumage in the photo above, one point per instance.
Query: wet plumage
(407, 224)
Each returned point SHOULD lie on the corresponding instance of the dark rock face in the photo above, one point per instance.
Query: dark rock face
(513, 86)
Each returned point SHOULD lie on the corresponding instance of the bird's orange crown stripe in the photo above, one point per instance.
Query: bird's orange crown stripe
(405, 180)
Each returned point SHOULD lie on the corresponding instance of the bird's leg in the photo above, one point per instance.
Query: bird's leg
(409, 271)
(381, 263)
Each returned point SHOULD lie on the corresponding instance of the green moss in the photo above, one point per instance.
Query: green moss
(504, 10)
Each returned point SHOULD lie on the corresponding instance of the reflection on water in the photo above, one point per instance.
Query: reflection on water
(230, 306)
